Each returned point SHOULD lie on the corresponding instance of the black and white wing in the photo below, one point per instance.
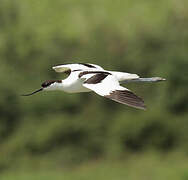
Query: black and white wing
(106, 85)
(68, 68)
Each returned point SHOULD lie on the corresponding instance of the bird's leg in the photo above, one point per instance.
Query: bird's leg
(152, 79)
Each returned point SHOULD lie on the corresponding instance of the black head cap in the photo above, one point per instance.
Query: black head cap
(49, 82)
(44, 85)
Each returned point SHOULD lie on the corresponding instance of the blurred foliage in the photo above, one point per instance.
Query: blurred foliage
(145, 37)
(147, 166)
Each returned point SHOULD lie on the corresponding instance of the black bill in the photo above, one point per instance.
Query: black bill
(33, 92)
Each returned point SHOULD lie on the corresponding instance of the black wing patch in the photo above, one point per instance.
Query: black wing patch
(87, 65)
(128, 98)
(93, 72)
(67, 72)
(97, 78)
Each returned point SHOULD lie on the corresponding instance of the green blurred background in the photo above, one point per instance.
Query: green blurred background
(54, 135)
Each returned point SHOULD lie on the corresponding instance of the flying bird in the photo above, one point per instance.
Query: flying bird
(84, 77)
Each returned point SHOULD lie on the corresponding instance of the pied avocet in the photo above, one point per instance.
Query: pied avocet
(90, 77)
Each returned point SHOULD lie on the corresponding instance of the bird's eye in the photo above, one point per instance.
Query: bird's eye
(47, 83)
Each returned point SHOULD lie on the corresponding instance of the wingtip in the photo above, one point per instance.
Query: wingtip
(144, 108)
(141, 107)
(127, 97)
(55, 67)
(61, 69)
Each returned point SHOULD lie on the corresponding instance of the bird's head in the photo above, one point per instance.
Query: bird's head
(48, 85)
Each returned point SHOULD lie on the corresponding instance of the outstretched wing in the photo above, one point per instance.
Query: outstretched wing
(106, 85)
(68, 68)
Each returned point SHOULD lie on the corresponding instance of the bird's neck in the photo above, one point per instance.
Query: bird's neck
(63, 86)
(60, 86)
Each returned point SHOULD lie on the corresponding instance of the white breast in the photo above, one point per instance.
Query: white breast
(73, 84)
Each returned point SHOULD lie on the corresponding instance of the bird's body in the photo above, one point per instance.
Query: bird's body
(74, 83)
(90, 77)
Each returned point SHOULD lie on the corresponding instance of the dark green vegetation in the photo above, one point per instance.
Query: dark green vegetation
(145, 167)
(56, 129)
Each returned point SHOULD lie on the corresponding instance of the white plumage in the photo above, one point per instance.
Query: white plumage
(90, 77)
